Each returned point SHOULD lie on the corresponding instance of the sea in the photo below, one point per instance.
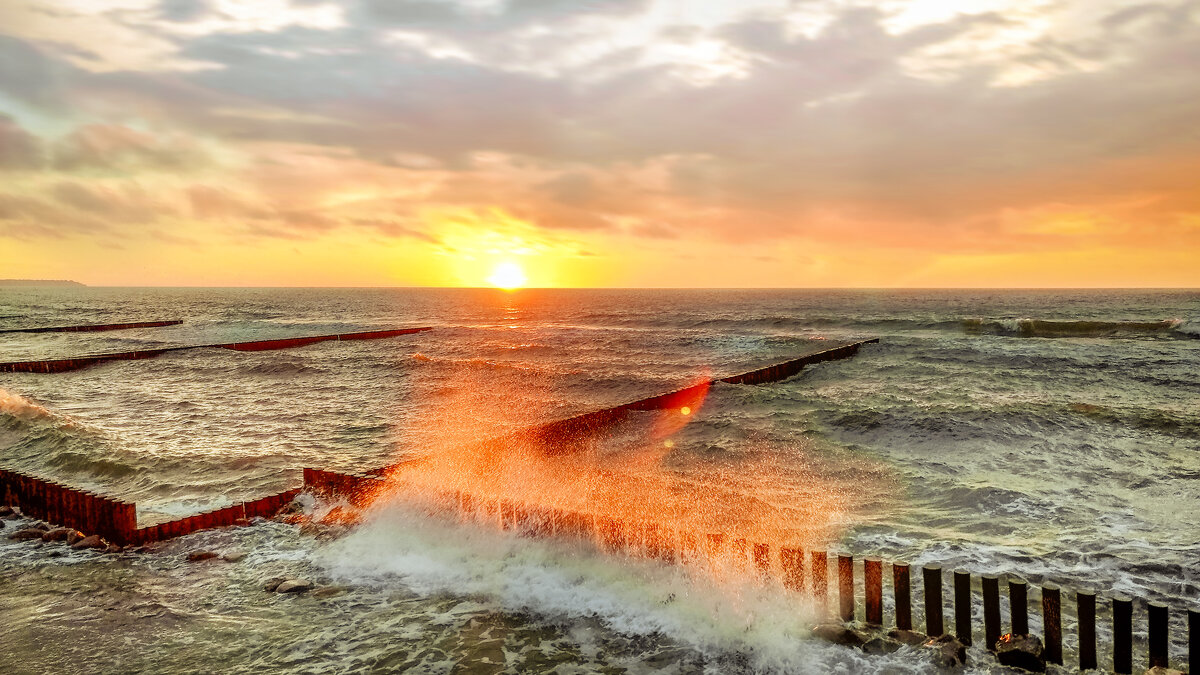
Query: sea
(1050, 435)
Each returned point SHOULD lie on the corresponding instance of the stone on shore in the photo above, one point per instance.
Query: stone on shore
(58, 534)
(273, 583)
(26, 533)
(74, 537)
(197, 556)
(92, 541)
(949, 651)
(6, 511)
(233, 556)
(839, 634)
(294, 586)
(1021, 651)
(39, 525)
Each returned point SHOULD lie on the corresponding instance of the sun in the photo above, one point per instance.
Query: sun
(507, 275)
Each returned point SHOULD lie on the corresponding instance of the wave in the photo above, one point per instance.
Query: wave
(1048, 328)
(20, 407)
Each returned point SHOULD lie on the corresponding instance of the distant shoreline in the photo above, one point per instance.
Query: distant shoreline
(39, 282)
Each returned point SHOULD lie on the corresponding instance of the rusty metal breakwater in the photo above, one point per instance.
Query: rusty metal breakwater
(93, 328)
(77, 363)
(114, 519)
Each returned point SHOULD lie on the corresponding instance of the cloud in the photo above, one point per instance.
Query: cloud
(19, 149)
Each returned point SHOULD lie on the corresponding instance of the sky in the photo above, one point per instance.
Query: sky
(622, 143)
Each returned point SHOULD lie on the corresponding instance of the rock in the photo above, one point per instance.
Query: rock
(58, 534)
(197, 556)
(54, 554)
(907, 637)
(1159, 670)
(294, 586)
(1, 524)
(41, 526)
(74, 537)
(6, 511)
(881, 645)
(257, 520)
(273, 583)
(27, 533)
(291, 507)
(839, 634)
(233, 556)
(330, 591)
(92, 541)
(114, 548)
(1021, 651)
(949, 652)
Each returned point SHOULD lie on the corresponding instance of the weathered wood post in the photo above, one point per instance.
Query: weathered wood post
(820, 579)
(1157, 635)
(792, 561)
(1087, 629)
(1018, 599)
(933, 601)
(873, 589)
(991, 610)
(846, 586)
(1052, 621)
(902, 589)
(1122, 608)
(762, 558)
(962, 606)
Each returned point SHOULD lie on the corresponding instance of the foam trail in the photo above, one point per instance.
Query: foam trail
(21, 407)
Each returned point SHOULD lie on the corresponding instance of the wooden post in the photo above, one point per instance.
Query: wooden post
(820, 580)
(962, 606)
(1157, 634)
(1052, 621)
(792, 562)
(714, 544)
(1018, 599)
(901, 589)
(933, 601)
(762, 559)
(1122, 608)
(846, 587)
(1087, 630)
(991, 611)
(873, 590)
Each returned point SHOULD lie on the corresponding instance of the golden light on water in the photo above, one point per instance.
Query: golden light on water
(507, 275)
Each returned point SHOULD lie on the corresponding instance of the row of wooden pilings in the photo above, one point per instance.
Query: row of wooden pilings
(116, 520)
(654, 541)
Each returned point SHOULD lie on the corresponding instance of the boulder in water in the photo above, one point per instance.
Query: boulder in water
(881, 645)
(114, 548)
(908, 637)
(41, 526)
(197, 556)
(839, 634)
(74, 537)
(6, 511)
(1021, 651)
(91, 541)
(233, 556)
(949, 651)
(273, 583)
(26, 533)
(58, 534)
(294, 586)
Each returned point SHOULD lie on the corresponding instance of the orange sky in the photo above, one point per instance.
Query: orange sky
(627, 143)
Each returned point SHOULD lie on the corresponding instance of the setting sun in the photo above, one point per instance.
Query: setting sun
(507, 275)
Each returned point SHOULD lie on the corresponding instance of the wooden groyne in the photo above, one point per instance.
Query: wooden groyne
(77, 363)
(93, 328)
(116, 520)
(808, 573)
(573, 433)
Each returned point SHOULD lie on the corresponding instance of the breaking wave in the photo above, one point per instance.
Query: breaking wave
(1047, 328)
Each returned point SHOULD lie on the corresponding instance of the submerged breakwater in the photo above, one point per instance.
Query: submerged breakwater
(1060, 457)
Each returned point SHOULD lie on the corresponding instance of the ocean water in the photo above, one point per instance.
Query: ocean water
(1054, 435)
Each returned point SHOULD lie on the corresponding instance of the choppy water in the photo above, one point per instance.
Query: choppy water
(1051, 434)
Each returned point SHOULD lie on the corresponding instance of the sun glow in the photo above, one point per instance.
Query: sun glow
(507, 275)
